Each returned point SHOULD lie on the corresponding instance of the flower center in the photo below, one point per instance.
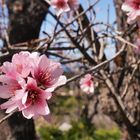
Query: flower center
(32, 96)
(136, 4)
(61, 3)
(44, 77)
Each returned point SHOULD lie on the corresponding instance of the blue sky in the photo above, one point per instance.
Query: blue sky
(101, 16)
(100, 8)
(103, 6)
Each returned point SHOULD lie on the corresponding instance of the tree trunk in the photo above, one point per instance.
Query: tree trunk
(131, 100)
(121, 17)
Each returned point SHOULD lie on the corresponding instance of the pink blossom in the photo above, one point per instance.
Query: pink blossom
(19, 67)
(13, 103)
(132, 7)
(27, 82)
(48, 73)
(13, 90)
(34, 100)
(64, 5)
(8, 86)
(60, 5)
(31, 100)
(86, 84)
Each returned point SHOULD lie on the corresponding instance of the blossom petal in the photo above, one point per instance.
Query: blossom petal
(31, 81)
(47, 95)
(8, 69)
(27, 113)
(11, 108)
(6, 104)
(5, 92)
(61, 81)
(127, 8)
(44, 62)
(24, 98)
(42, 108)
(19, 94)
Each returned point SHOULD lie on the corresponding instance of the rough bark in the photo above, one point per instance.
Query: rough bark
(121, 17)
(25, 17)
(131, 100)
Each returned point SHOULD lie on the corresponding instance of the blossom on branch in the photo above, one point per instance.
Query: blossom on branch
(8, 87)
(34, 100)
(19, 67)
(132, 7)
(28, 82)
(86, 84)
(64, 5)
(60, 6)
(46, 72)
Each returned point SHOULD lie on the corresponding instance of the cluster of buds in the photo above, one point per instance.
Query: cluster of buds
(86, 84)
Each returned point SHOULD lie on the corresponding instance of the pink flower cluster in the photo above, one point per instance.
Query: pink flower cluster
(64, 5)
(28, 82)
(132, 7)
(86, 84)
